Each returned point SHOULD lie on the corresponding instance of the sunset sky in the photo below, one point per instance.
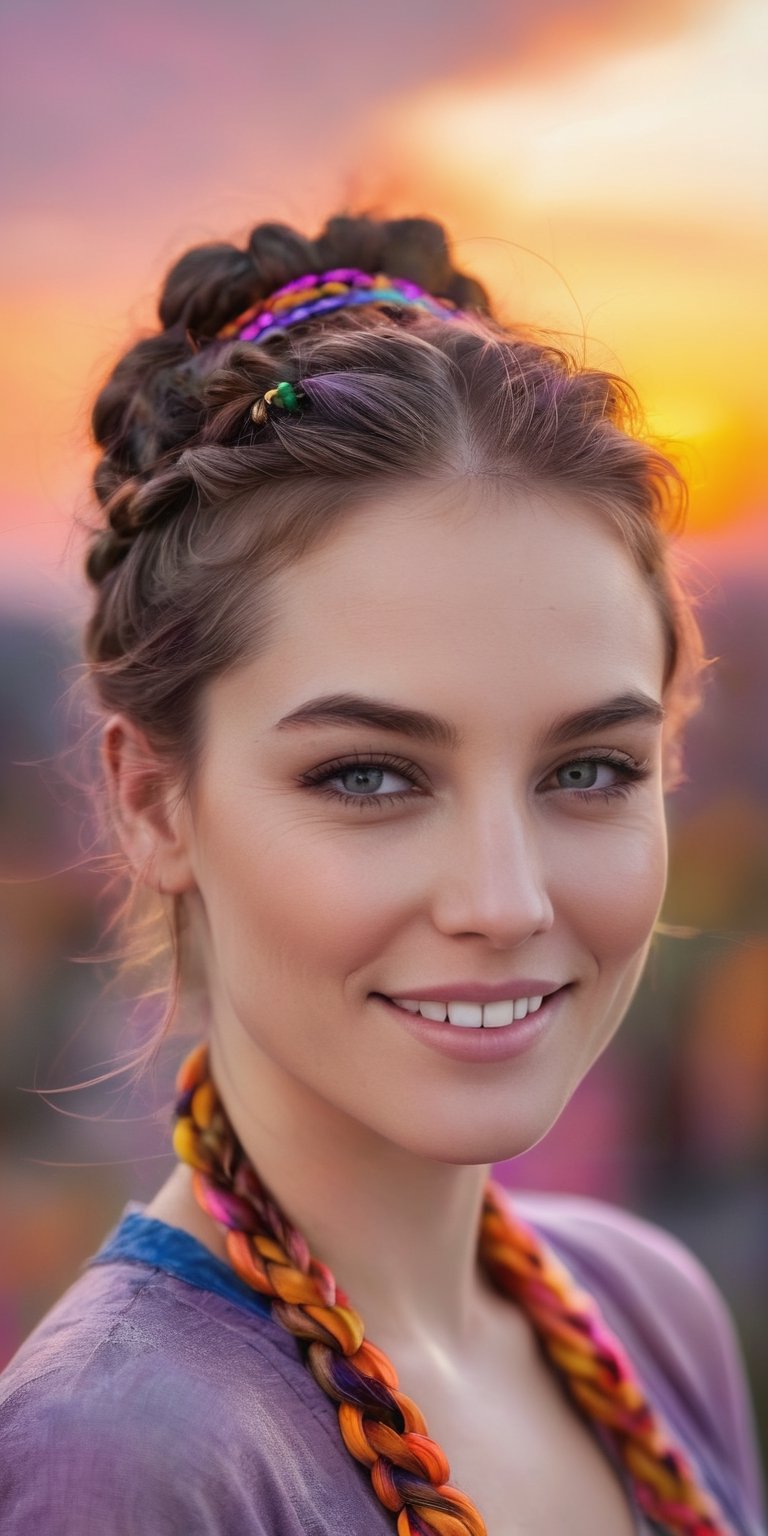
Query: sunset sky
(605, 174)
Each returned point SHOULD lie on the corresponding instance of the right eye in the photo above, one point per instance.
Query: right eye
(368, 773)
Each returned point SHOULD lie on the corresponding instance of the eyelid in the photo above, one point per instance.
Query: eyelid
(374, 758)
(617, 755)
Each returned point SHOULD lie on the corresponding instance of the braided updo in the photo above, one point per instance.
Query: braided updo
(156, 402)
(201, 506)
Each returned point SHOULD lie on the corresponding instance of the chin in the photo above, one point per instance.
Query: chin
(478, 1140)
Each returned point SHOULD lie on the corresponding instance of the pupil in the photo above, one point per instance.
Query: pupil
(362, 776)
(580, 775)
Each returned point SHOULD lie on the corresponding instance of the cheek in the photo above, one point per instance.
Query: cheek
(612, 886)
(286, 899)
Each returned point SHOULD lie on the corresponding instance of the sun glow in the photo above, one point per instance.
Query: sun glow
(623, 202)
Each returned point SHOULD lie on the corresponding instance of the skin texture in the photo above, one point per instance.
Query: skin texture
(501, 610)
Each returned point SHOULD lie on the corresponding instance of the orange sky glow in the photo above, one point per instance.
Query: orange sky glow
(614, 193)
(638, 182)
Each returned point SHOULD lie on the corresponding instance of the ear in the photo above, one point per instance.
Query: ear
(152, 821)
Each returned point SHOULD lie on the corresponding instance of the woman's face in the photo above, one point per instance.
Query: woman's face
(530, 849)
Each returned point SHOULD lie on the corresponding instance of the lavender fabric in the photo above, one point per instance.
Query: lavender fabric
(158, 1395)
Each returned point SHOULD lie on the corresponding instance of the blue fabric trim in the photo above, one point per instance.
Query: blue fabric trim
(140, 1239)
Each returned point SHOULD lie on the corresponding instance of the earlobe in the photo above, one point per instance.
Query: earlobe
(147, 812)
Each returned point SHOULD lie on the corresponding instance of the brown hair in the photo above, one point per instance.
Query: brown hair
(202, 507)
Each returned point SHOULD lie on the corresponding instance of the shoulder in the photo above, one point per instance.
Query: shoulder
(647, 1270)
(669, 1313)
(144, 1403)
(650, 1265)
(129, 1375)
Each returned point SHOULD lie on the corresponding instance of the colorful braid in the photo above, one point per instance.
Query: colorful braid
(318, 293)
(381, 1426)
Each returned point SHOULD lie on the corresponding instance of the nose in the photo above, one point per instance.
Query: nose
(494, 884)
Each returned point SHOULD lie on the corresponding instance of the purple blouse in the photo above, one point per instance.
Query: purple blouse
(159, 1396)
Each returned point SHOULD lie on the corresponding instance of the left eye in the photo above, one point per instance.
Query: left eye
(584, 774)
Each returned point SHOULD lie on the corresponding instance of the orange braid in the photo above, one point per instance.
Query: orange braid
(381, 1426)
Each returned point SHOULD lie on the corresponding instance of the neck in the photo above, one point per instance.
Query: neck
(399, 1232)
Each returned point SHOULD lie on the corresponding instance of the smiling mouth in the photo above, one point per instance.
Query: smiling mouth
(462, 1015)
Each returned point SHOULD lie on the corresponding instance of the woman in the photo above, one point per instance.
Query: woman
(393, 667)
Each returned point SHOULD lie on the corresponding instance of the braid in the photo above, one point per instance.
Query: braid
(380, 1426)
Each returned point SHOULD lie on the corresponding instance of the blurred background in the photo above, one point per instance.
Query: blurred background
(602, 168)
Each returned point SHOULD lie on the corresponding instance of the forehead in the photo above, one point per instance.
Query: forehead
(460, 594)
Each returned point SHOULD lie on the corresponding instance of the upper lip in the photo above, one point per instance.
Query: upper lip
(478, 991)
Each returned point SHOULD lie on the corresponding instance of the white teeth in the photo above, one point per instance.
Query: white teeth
(468, 1015)
(496, 1014)
(473, 1015)
(435, 1011)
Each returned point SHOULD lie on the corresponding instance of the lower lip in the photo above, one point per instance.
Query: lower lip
(467, 1044)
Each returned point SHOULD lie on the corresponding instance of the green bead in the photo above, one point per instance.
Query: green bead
(286, 394)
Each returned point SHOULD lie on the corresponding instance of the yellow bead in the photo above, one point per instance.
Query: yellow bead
(203, 1104)
(185, 1145)
(289, 300)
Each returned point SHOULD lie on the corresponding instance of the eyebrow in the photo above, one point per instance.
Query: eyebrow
(380, 714)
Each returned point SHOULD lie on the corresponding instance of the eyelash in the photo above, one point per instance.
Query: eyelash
(633, 773)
